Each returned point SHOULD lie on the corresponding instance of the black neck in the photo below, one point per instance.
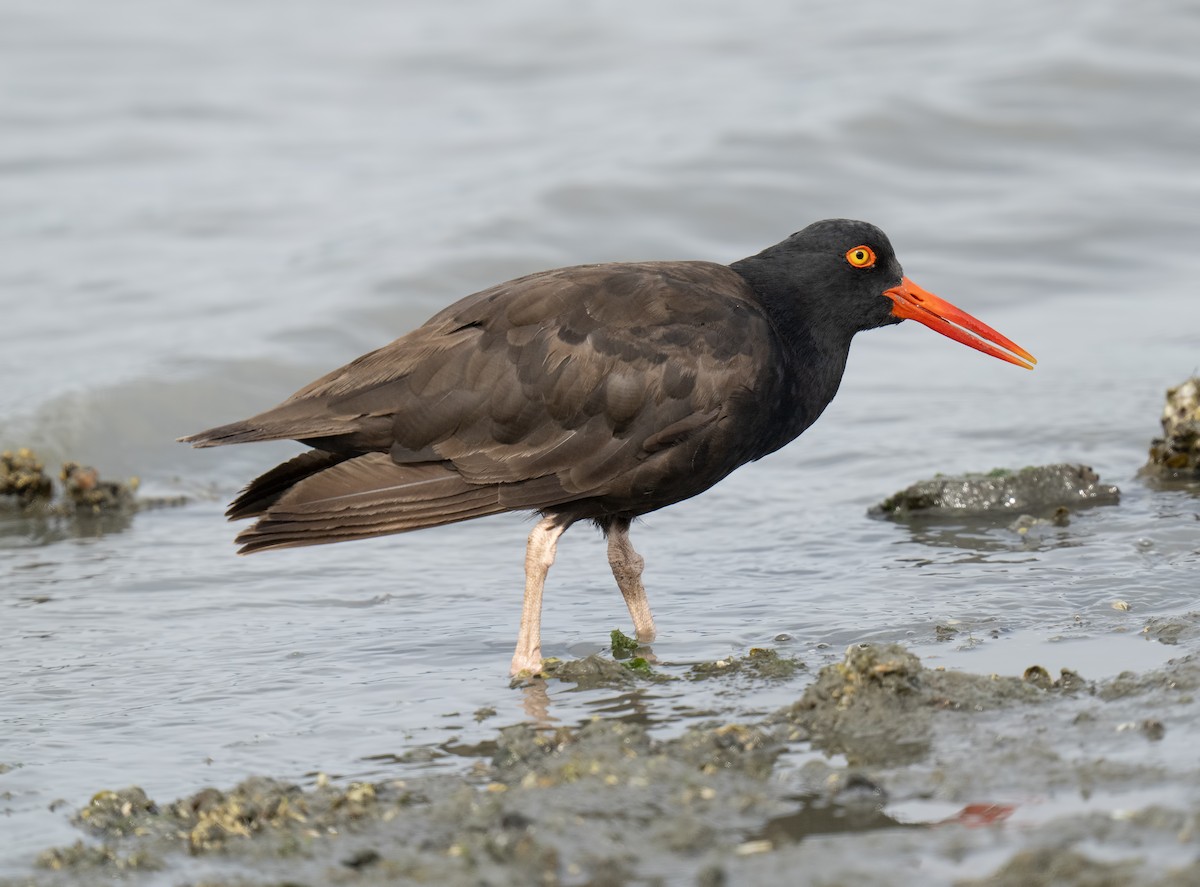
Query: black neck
(814, 348)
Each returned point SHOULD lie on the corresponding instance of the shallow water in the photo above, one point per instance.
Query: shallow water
(208, 206)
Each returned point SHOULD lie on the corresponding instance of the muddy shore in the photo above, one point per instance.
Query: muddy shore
(882, 771)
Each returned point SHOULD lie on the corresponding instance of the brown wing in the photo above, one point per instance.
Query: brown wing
(546, 389)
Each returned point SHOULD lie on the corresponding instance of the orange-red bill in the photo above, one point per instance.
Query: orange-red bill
(914, 303)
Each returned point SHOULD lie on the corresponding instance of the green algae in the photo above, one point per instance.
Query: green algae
(622, 645)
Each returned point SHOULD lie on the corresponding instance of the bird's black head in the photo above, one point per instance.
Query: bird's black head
(839, 276)
(831, 274)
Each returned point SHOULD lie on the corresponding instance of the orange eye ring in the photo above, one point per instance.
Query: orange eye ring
(861, 257)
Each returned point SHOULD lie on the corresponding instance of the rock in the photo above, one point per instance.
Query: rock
(1052, 866)
(876, 707)
(31, 503)
(1176, 455)
(1035, 491)
(83, 487)
(23, 478)
(759, 663)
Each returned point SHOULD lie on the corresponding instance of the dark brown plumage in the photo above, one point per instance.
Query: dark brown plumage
(596, 392)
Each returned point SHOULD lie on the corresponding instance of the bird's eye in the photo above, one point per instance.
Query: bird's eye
(861, 257)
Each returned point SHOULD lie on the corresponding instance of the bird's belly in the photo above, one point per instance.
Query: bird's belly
(660, 480)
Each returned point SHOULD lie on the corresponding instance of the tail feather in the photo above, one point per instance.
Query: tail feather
(383, 508)
(235, 432)
(357, 498)
(268, 534)
(266, 490)
(288, 421)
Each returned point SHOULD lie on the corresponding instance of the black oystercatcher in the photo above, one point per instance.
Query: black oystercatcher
(598, 392)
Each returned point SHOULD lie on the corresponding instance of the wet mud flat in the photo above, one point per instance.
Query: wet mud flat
(882, 771)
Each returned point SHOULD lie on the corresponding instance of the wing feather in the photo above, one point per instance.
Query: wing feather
(558, 386)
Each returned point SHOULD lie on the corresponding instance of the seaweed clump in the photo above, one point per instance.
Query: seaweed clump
(595, 671)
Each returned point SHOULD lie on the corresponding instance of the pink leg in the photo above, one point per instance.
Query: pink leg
(627, 570)
(539, 555)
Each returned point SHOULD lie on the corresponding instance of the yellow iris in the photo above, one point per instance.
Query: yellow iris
(861, 257)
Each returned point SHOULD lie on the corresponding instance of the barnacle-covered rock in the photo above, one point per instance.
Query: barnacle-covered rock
(1176, 455)
(1038, 491)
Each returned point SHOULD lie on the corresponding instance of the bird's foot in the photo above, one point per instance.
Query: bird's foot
(526, 663)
